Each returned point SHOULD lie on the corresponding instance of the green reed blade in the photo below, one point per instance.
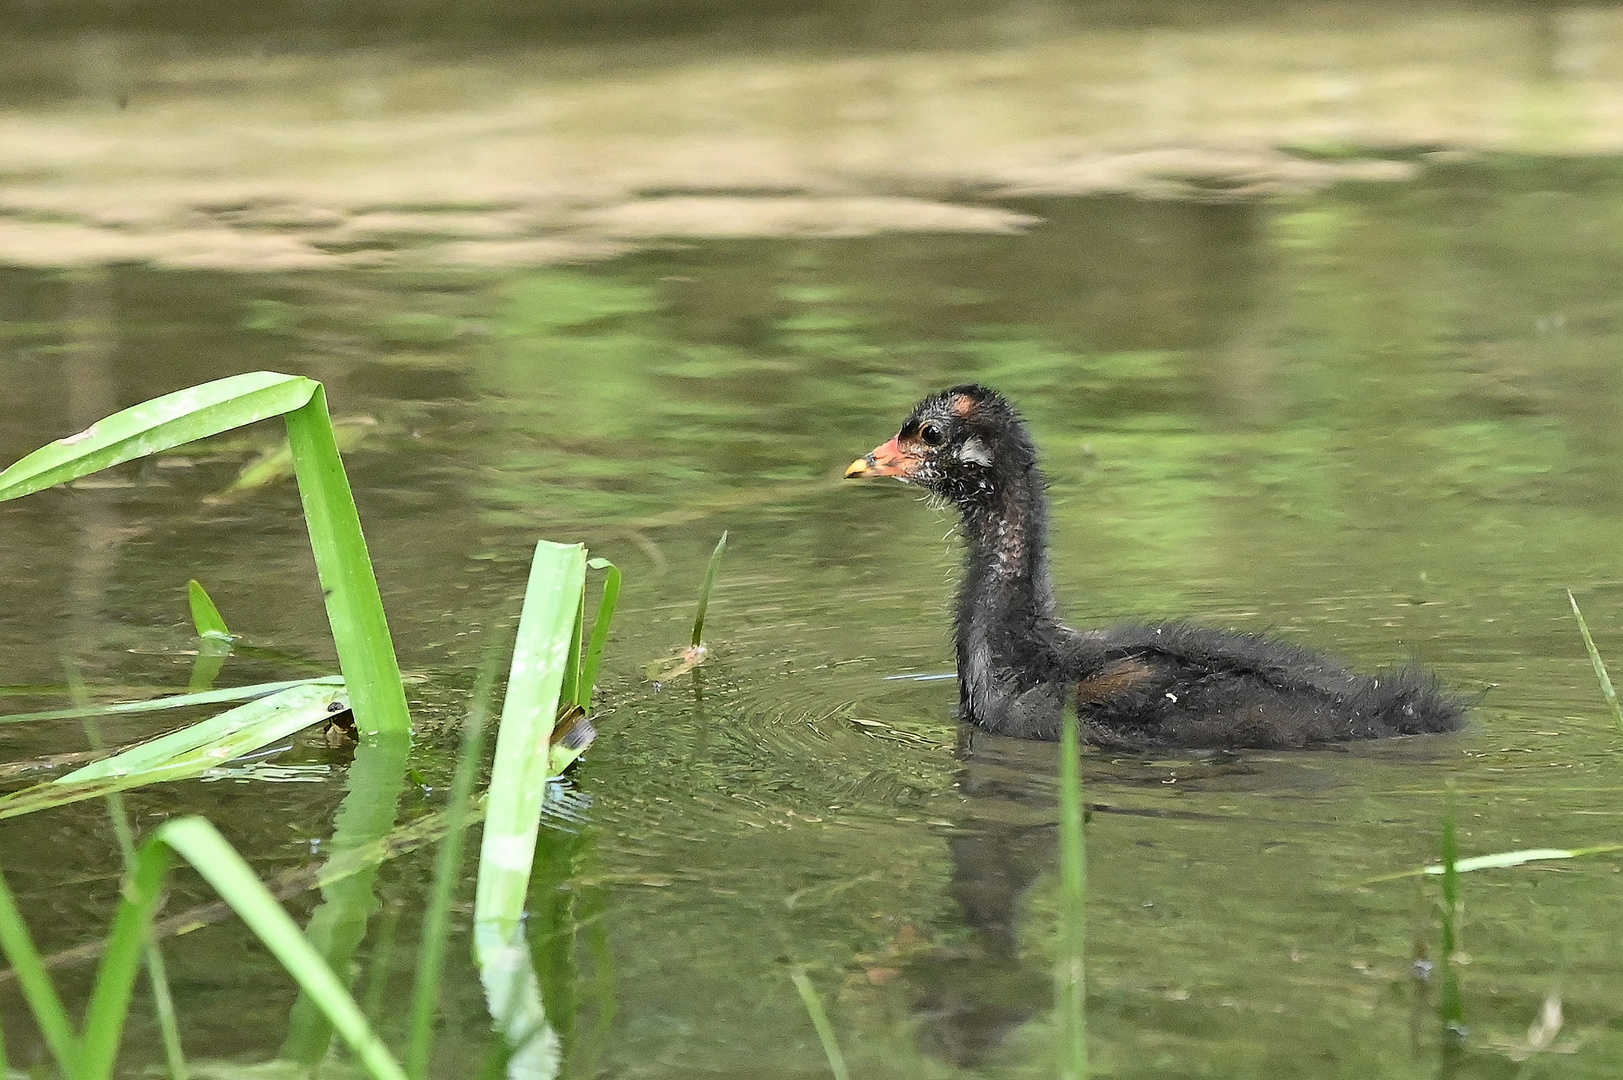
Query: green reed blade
(1597, 663)
(820, 1024)
(43, 1003)
(160, 424)
(517, 792)
(600, 630)
(354, 606)
(205, 616)
(176, 701)
(1071, 987)
(705, 589)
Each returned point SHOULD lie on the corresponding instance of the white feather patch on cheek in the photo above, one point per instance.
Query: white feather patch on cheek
(973, 450)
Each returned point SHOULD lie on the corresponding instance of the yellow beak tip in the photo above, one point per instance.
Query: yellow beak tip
(859, 467)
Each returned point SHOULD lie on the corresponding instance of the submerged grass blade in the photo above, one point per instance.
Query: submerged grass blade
(140, 765)
(1498, 861)
(400, 841)
(1511, 858)
(338, 924)
(175, 701)
(205, 616)
(354, 606)
(600, 630)
(1071, 988)
(157, 972)
(1597, 663)
(163, 1003)
(425, 996)
(518, 789)
(1451, 1007)
(705, 589)
(160, 424)
(206, 668)
(221, 738)
(820, 1024)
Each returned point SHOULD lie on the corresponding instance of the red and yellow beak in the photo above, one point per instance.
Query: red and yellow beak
(886, 460)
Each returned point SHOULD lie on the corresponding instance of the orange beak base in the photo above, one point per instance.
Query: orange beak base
(886, 460)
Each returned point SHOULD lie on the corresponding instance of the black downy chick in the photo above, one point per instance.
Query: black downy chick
(1173, 684)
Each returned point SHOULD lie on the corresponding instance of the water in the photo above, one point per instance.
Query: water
(1376, 418)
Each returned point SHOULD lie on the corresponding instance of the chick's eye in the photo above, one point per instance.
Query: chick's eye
(931, 434)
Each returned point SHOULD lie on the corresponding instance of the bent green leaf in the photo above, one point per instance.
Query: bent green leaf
(160, 424)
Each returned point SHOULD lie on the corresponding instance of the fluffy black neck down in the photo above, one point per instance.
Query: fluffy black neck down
(1011, 662)
(1134, 686)
(1144, 686)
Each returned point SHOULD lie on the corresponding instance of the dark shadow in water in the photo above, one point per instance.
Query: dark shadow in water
(969, 999)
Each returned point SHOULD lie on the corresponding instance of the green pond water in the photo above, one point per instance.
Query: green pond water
(1383, 420)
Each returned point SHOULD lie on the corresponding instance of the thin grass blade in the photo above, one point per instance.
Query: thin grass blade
(160, 424)
(218, 862)
(117, 774)
(43, 1003)
(705, 589)
(163, 1000)
(569, 689)
(221, 738)
(354, 605)
(347, 864)
(1498, 861)
(1451, 1006)
(447, 874)
(820, 1024)
(176, 701)
(1071, 986)
(1597, 663)
(121, 963)
(1506, 859)
(599, 642)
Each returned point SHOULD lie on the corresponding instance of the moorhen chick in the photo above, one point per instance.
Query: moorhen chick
(1173, 684)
